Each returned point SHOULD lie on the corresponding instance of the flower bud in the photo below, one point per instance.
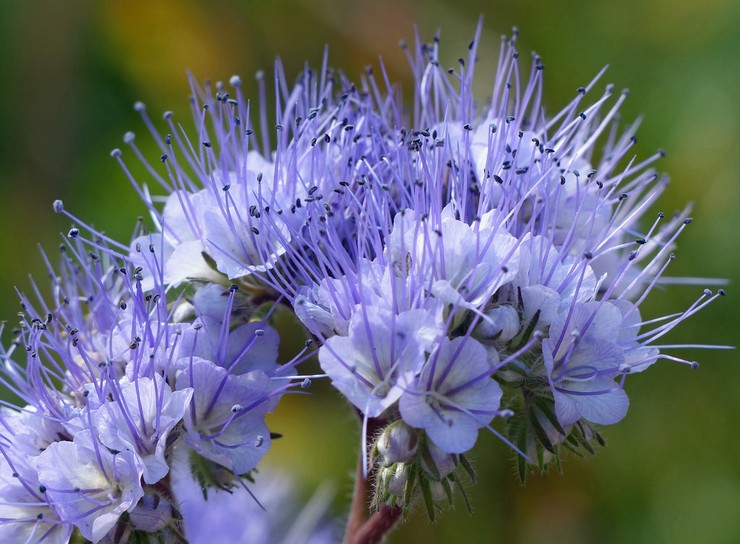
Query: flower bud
(397, 483)
(151, 514)
(439, 491)
(397, 444)
(502, 324)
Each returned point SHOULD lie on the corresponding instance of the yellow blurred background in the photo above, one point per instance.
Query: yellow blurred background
(70, 72)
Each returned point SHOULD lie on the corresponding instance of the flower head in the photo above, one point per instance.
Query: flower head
(459, 264)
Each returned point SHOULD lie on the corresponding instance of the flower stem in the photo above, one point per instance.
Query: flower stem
(378, 526)
(358, 512)
(364, 527)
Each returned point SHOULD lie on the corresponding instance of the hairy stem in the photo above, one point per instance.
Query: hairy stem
(363, 526)
(378, 526)
(358, 512)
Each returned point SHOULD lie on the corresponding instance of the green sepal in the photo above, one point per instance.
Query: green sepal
(448, 489)
(547, 407)
(261, 312)
(539, 432)
(520, 439)
(456, 479)
(209, 474)
(409, 492)
(426, 492)
(429, 464)
(525, 336)
(468, 468)
(210, 261)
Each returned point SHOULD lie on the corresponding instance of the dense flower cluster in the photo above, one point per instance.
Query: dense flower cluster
(119, 383)
(459, 264)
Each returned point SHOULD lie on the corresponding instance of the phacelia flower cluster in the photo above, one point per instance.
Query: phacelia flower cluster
(115, 384)
(463, 266)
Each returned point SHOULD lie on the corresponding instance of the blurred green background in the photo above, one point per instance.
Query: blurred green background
(70, 71)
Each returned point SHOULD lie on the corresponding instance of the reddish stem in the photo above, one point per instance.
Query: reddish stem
(378, 526)
(358, 512)
(362, 526)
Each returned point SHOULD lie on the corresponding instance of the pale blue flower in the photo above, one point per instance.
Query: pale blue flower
(88, 485)
(225, 422)
(453, 395)
(140, 419)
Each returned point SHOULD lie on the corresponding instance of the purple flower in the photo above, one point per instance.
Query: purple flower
(26, 514)
(582, 360)
(113, 385)
(233, 208)
(88, 485)
(453, 395)
(378, 358)
(140, 420)
(225, 421)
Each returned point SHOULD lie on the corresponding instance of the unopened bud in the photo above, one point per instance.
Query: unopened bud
(439, 493)
(501, 323)
(152, 514)
(393, 479)
(397, 444)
